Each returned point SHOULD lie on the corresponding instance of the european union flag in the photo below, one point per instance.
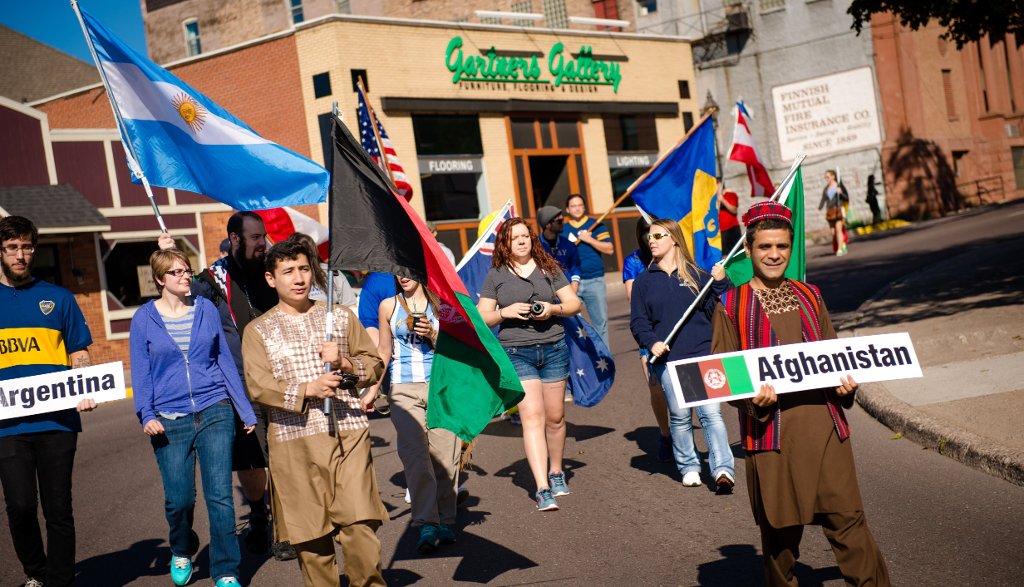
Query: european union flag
(184, 140)
(682, 187)
(591, 368)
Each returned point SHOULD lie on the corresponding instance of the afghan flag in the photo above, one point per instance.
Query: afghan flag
(375, 229)
(713, 379)
(739, 268)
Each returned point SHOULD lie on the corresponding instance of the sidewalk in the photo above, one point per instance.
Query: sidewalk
(966, 318)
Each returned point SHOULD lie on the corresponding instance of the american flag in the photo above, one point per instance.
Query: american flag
(369, 141)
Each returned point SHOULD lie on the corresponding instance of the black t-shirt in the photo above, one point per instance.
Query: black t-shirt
(507, 288)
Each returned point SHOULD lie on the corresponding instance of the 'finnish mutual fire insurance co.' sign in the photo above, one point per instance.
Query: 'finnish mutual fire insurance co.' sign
(563, 71)
(827, 114)
(61, 390)
(794, 367)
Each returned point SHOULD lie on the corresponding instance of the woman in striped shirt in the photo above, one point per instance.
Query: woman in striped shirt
(184, 386)
(408, 333)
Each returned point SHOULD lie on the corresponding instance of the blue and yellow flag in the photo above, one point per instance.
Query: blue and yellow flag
(682, 187)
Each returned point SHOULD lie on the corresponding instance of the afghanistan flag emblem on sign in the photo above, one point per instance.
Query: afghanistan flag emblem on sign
(714, 378)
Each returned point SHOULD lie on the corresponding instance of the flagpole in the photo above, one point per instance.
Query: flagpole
(376, 132)
(329, 322)
(483, 237)
(133, 158)
(780, 194)
(662, 158)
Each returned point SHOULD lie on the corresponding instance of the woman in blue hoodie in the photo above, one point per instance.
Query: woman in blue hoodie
(660, 297)
(185, 384)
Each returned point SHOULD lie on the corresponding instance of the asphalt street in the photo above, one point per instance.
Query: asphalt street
(629, 519)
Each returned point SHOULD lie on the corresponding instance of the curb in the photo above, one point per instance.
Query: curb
(966, 447)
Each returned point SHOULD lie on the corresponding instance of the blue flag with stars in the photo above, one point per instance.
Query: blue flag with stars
(591, 368)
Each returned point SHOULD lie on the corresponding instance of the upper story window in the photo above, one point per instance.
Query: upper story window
(297, 15)
(192, 44)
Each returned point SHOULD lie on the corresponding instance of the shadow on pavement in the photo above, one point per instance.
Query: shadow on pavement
(741, 565)
(519, 473)
(145, 558)
(582, 432)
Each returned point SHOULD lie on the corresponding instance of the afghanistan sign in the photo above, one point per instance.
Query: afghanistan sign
(793, 367)
(61, 390)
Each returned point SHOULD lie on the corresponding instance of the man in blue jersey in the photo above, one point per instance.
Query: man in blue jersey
(594, 241)
(39, 448)
(551, 223)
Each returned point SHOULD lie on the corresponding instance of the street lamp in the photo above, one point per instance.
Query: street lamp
(711, 106)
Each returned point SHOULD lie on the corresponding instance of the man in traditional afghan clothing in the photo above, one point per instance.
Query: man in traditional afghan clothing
(324, 480)
(799, 458)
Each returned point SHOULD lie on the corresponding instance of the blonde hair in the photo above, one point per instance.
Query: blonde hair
(686, 269)
(162, 261)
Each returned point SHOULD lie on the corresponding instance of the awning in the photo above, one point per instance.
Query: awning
(54, 209)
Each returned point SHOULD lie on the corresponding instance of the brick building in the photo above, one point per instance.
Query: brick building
(955, 118)
(469, 139)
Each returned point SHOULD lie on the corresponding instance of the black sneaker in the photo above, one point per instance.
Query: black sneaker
(257, 541)
(283, 551)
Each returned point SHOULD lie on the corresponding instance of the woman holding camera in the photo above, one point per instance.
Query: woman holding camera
(660, 297)
(524, 294)
(408, 333)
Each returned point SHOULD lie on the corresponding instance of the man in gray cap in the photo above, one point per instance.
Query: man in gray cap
(550, 221)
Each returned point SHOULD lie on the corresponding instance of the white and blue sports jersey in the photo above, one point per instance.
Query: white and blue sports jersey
(411, 354)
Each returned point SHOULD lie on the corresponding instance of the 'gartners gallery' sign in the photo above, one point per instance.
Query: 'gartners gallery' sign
(62, 390)
(827, 114)
(563, 69)
(793, 367)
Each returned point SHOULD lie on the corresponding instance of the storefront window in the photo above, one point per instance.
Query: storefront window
(126, 264)
(632, 142)
(451, 169)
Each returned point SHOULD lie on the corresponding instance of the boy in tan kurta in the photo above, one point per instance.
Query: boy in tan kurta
(799, 458)
(323, 473)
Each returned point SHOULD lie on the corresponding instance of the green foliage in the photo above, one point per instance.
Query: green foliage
(964, 20)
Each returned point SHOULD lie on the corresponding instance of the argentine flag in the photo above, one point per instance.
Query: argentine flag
(184, 140)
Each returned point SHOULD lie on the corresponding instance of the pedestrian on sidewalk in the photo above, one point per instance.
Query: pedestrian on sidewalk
(523, 294)
(635, 264)
(184, 385)
(594, 242)
(799, 457)
(660, 297)
(872, 200)
(408, 333)
(835, 199)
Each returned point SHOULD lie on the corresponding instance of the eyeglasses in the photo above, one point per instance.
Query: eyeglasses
(657, 236)
(12, 250)
(180, 272)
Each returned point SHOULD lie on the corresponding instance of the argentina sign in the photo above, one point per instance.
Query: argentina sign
(793, 367)
(61, 390)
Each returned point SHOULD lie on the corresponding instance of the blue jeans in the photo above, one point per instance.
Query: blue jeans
(548, 362)
(679, 422)
(209, 435)
(594, 294)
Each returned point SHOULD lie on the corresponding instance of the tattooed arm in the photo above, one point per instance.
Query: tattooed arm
(80, 359)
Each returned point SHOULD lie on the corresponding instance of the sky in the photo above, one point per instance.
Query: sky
(53, 22)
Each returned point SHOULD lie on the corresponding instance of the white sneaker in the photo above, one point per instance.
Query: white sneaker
(408, 496)
(33, 583)
(691, 479)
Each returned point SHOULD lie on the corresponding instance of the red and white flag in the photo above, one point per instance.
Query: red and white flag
(743, 150)
(281, 223)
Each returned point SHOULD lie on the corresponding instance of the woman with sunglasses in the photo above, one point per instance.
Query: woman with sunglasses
(524, 294)
(660, 297)
(635, 264)
(187, 389)
(408, 333)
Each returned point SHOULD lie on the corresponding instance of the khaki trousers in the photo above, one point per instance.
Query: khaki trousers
(429, 456)
(859, 559)
(359, 544)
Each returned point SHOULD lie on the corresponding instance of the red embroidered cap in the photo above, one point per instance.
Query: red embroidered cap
(762, 210)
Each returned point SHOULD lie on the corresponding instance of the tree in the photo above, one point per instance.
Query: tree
(964, 20)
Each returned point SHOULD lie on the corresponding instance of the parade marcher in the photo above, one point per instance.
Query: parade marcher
(635, 264)
(834, 198)
(799, 458)
(595, 241)
(872, 200)
(37, 453)
(660, 297)
(524, 292)
(728, 207)
(225, 248)
(408, 333)
(175, 339)
(343, 292)
(237, 286)
(324, 480)
(551, 223)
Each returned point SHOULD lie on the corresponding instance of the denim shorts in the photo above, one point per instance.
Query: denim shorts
(548, 362)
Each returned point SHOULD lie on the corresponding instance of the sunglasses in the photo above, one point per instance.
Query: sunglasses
(657, 236)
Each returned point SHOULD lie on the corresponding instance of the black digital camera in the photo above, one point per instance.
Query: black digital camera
(348, 380)
(537, 308)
